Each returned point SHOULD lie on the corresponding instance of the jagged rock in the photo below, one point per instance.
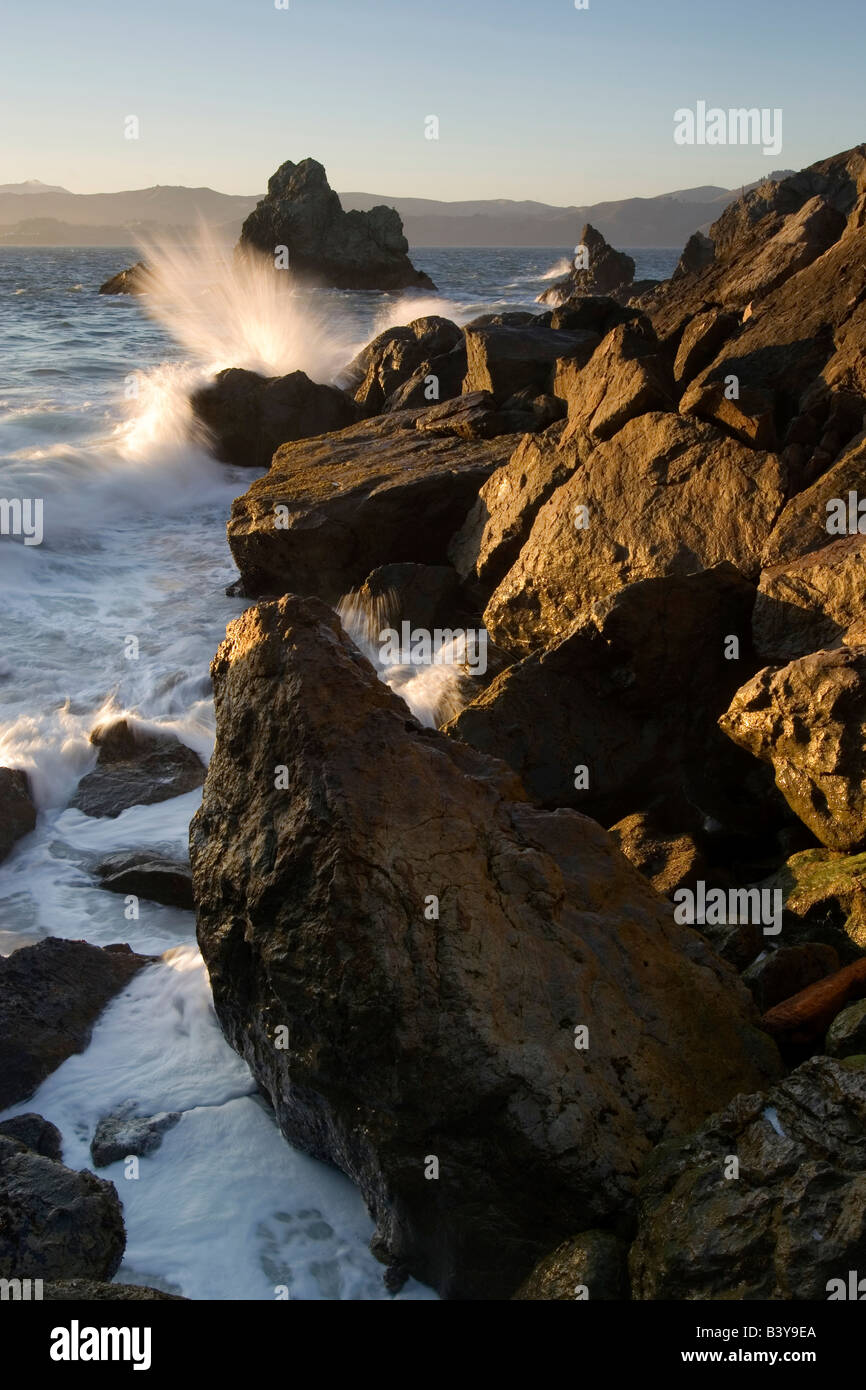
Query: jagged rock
(498, 525)
(505, 360)
(749, 416)
(311, 914)
(846, 1036)
(17, 811)
(248, 416)
(131, 281)
(664, 496)
(779, 974)
(697, 254)
(380, 492)
(394, 358)
(669, 859)
(633, 696)
(149, 876)
(93, 1290)
(805, 1017)
(35, 1133)
(824, 896)
(802, 526)
(135, 767)
(125, 1131)
(471, 416)
(350, 250)
(813, 602)
(609, 272)
(437, 379)
(701, 340)
(808, 720)
(55, 1223)
(793, 1219)
(50, 996)
(625, 377)
(590, 1266)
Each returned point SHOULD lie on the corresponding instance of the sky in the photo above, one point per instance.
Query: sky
(534, 98)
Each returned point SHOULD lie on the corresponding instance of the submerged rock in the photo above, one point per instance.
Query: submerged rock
(434, 947)
(787, 1222)
(17, 811)
(130, 281)
(350, 250)
(126, 1131)
(50, 996)
(55, 1223)
(135, 767)
(146, 875)
(248, 416)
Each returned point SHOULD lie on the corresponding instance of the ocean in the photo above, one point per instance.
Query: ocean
(95, 423)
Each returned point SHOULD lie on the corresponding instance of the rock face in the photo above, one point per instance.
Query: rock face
(449, 1041)
(55, 1223)
(50, 996)
(608, 272)
(135, 768)
(792, 1221)
(247, 416)
(665, 496)
(809, 721)
(380, 492)
(350, 250)
(17, 812)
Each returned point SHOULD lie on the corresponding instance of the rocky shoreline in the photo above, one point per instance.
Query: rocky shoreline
(572, 985)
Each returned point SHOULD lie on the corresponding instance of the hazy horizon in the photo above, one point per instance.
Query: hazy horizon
(223, 96)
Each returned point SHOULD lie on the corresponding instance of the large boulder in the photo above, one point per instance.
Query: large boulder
(784, 1221)
(50, 996)
(380, 492)
(633, 696)
(135, 767)
(808, 719)
(504, 360)
(812, 602)
(625, 377)
(247, 416)
(596, 270)
(665, 496)
(406, 953)
(17, 811)
(55, 1223)
(350, 250)
(392, 371)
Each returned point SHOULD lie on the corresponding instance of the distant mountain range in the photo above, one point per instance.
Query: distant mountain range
(38, 214)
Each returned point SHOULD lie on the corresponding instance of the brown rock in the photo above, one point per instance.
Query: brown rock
(625, 377)
(135, 767)
(813, 602)
(504, 360)
(247, 416)
(17, 811)
(807, 1015)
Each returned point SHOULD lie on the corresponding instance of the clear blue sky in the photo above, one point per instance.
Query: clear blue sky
(535, 98)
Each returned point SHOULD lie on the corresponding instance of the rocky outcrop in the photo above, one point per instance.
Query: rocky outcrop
(55, 1223)
(327, 246)
(134, 280)
(590, 1266)
(149, 876)
(50, 996)
(782, 1223)
(596, 270)
(135, 767)
(626, 376)
(247, 417)
(665, 496)
(406, 953)
(803, 526)
(505, 360)
(17, 811)
(808, 720)
(380, 492)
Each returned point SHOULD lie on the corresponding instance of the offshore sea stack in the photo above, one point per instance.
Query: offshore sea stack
(533, 976)
(325, 245)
